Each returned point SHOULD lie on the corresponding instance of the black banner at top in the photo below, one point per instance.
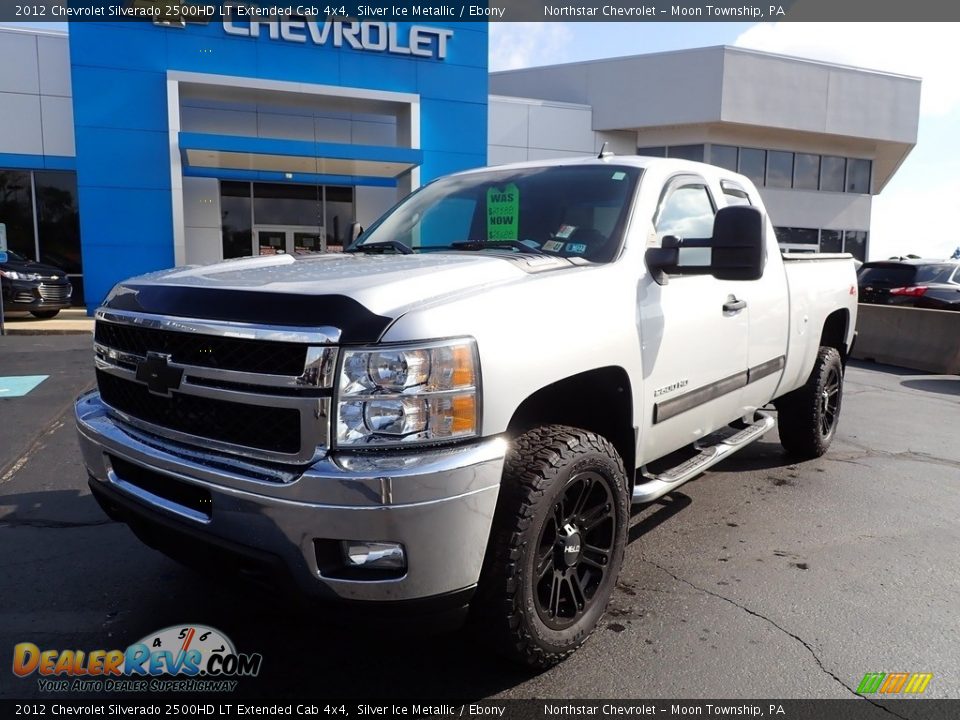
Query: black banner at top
(226, 706)
(196, 11)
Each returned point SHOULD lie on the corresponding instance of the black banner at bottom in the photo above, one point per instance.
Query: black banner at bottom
(201, 707)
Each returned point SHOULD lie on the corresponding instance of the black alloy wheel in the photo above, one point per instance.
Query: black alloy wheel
(556, 545)
(574, 549)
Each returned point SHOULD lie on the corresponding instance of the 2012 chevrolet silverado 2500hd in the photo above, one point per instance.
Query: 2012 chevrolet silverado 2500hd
(463, 405)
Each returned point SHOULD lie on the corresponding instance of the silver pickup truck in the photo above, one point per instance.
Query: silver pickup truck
(460, 409)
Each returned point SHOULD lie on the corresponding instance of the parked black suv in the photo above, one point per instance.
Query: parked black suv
(931, 284)
(41, 290)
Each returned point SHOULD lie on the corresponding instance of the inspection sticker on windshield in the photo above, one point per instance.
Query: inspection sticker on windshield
(553, 246)
(503, 212)
(619, 175)
(577, 248)
(565, 231)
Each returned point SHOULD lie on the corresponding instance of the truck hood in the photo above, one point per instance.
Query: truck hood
(361, 294)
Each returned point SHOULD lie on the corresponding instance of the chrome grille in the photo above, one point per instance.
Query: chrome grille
(56, 293)
(226, 393)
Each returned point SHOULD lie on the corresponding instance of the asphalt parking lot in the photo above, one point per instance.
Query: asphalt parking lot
(762, 578)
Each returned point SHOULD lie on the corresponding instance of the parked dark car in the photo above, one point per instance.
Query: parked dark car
(931, 284)
(28, 286)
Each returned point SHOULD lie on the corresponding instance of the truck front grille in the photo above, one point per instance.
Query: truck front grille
(226, 353)
(271, 429)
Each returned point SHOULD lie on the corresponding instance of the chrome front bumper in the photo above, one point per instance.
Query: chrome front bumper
(438, 504)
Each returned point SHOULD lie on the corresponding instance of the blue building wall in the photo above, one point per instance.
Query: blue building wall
(120, 116)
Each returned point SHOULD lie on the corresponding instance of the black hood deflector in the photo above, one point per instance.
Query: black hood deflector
(356, 323)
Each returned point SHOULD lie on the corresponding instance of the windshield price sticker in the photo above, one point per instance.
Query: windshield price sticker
(503, 212)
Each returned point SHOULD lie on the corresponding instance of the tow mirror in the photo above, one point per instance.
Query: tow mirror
(738, 246)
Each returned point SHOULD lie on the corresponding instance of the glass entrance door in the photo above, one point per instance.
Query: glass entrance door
(280, 239)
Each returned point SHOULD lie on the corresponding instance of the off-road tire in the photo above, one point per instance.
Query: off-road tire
(545, 468)
(807, 418)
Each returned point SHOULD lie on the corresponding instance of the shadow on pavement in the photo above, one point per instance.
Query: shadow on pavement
(654, 514)
(942, 386)
(121, 591)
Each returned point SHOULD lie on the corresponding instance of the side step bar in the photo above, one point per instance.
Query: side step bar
(655, 486)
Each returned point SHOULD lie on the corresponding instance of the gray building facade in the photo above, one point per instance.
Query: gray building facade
(818, 139)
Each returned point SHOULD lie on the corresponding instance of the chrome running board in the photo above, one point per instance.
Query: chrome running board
(654, 486)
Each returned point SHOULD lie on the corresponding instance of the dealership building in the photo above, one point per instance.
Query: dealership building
(130, 147)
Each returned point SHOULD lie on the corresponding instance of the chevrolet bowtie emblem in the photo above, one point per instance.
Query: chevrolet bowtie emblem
(160, 378)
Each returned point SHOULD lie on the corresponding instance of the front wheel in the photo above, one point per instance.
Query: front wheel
(807, 417)
(44, 314)
(557, 544)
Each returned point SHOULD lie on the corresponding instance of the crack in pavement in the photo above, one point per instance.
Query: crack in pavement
(38, 441)
(867, 451)
(786, 632)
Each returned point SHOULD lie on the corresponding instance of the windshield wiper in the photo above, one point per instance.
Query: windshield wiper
(381, 247)
(495, 245)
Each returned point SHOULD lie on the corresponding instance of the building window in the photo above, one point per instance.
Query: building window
(806, 172)
(236, 213)
(831, 241)
(305, 211)
(339, 202)
(686, 152)
(287, 204)
(855, 243)
(832, 171)
(42, 218)
(58, 224)
(653, 151)
(797, 236)
(724, 156)
(858, 176)
(779, 169)
(16, 212)
(753, 164)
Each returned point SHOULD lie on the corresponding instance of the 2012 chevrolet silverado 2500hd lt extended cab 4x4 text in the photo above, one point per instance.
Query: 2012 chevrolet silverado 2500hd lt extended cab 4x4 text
(462, 406)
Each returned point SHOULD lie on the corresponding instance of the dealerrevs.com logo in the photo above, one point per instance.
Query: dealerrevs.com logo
(180, 658)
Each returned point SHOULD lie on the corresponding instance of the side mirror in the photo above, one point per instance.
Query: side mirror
(739, 248)
(660, 259)
(355, 231)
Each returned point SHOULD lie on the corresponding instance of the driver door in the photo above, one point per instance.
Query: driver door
(694, 338)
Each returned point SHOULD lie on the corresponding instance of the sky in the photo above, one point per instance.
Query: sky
(906, 215)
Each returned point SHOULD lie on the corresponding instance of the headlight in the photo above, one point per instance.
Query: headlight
(14, 275)
(402, 395)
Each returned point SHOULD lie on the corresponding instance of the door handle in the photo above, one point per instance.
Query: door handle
(733, 305)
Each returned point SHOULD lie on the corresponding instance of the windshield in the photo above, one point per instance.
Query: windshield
(16, 256)
(568, 211)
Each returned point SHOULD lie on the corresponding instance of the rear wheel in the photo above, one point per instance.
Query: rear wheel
(556, 546)
(44, 314)
(807, 417)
